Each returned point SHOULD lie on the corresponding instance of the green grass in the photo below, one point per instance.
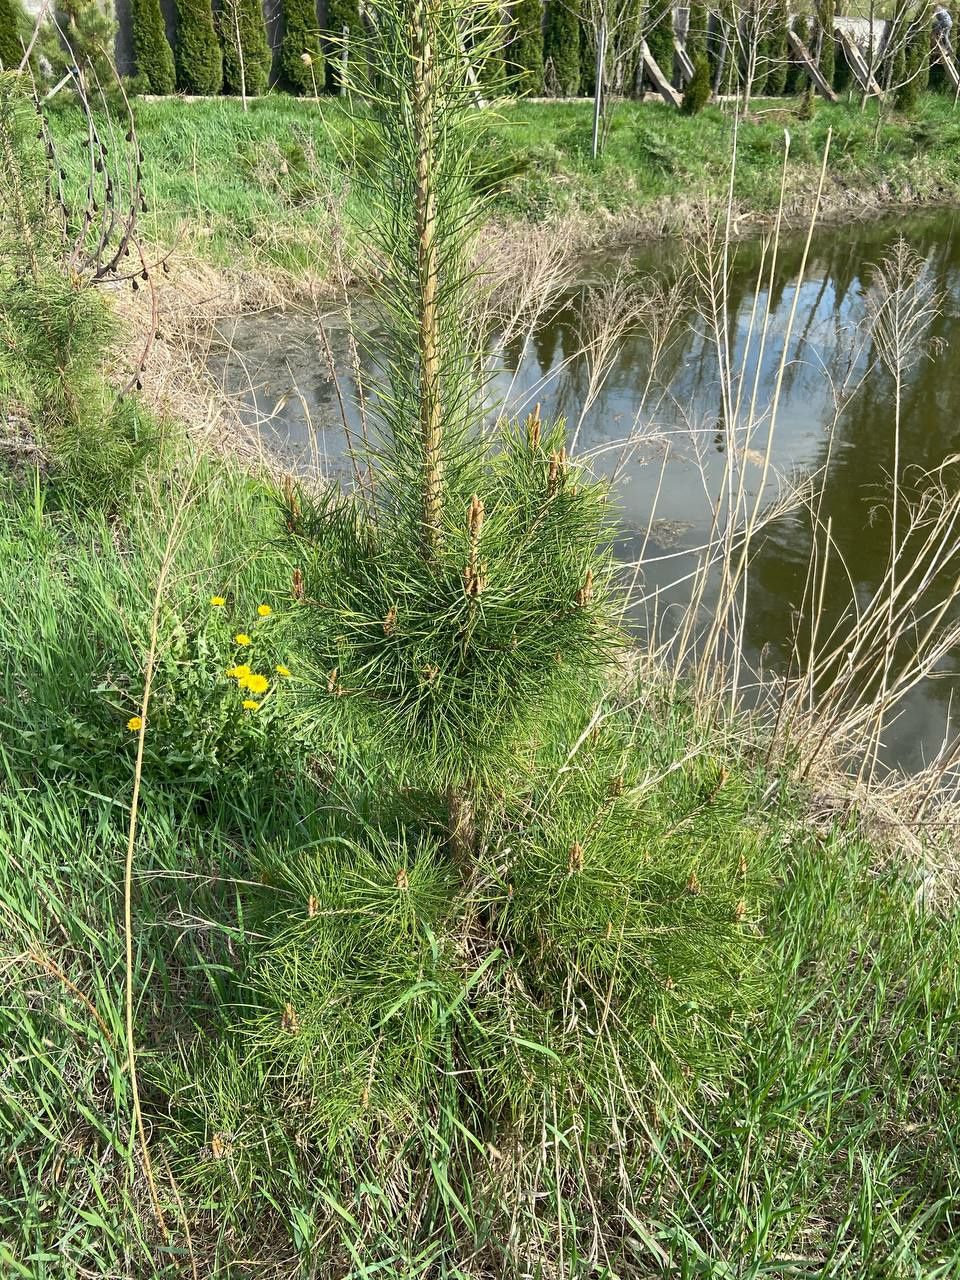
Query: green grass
(265, 189)
(655, 1022)
(822, 1142)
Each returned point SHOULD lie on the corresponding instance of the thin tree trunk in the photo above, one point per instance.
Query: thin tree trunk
(425, 210)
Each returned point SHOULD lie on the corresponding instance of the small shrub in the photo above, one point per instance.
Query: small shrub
(151, 50)
(301, 57)
(246, 51)
(697, 93)
(199, 57)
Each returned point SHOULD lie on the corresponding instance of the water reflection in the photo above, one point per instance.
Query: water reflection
(280, 370)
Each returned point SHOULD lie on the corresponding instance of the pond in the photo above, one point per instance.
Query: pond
(835, 420)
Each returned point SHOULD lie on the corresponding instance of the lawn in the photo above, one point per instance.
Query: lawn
(267, 189)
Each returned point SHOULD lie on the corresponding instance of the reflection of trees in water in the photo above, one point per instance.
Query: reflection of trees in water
(856, 487)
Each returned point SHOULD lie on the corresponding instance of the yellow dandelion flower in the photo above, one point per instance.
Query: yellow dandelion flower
(264, 610)
(255, 683)
(135, 723)
(239, 672)
(281, 670)
(217, 601)
(241, 638)
(250, 705)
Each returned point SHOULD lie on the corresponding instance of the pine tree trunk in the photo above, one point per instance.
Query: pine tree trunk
(424, 106)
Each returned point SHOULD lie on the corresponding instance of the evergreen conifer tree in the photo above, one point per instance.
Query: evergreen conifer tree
(494, 861)
(152, 54)
(246, 52)
(698, 27)
(561, 46)
(88, 36)
(777, 51)
(697, 93)
(525, 48)
(894, 61)
(301, 36)
(659, 37)
(13, 26)
(199, 58)
(915, 75)
(921, 40)
(826, 11)
(588, 60)
(342, 15)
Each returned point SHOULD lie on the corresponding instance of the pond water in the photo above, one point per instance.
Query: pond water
(674, 416)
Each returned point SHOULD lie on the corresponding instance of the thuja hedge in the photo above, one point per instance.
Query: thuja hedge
(301, 57)
(199, 56)
(246, 52)
(151, 49)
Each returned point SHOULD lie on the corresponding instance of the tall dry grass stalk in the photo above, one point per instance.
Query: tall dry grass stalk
(170, 550)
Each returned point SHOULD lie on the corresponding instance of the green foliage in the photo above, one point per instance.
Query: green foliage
(697, 93)
(340, 15)
(561, 46)
(463, 674)
(659, 37)
(918, 57)
(57, 332)
(89, 31)
(698, 30)
(825, 38)
(778, 59)
(246, 52)
(198, 54)
(301, 57)
(151, 50)
(843, 77)
(296, 1154)
(723, 47)
(910, 66)
(588, 60)
(13, 33)
(524, 54)
(894, 60)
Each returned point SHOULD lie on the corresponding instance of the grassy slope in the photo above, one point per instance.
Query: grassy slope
(255, 189)
(831, 1150)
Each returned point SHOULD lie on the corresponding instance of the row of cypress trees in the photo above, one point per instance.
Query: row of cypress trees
(228, 50)
(547, 48)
